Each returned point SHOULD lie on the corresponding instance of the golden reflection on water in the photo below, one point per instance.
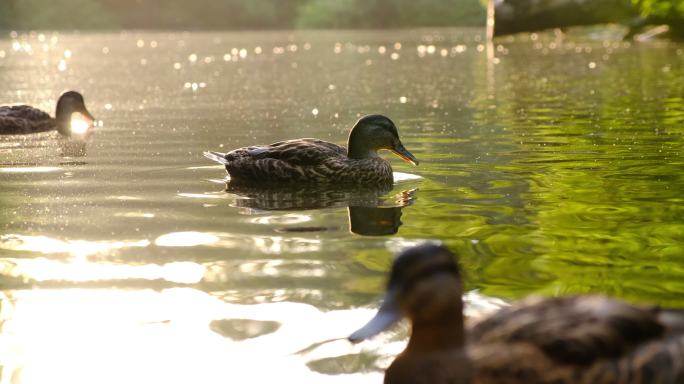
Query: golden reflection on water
(186, 239)
(176, 335)
(48, 245)
(201, 195)
(265, 244)
(171, 336)
(81, 248)
(80, 270)
(122, 336)
(29, 169)
(271, 267)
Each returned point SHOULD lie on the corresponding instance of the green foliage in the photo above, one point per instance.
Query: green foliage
(227, 14)
(665, 9)
(663, 12)
(70, 14)
(237, 14)
(389, 13)
(332, 13)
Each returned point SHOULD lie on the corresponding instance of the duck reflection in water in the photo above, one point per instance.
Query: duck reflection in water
(372, 211)
(374, 221)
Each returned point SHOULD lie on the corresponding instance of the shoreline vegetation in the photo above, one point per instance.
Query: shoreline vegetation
(239, 14)
(96, 15)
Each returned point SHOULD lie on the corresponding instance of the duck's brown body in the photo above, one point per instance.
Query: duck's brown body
(24, 119)
(573, 340)
(583, 339)
(568, 340)
(304, 160)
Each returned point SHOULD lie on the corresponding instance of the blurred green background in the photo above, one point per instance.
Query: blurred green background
(270, 14)
(237, 14)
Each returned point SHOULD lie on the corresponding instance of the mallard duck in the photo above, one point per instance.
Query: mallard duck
(317, 161)
(72, 119)
(581, 339)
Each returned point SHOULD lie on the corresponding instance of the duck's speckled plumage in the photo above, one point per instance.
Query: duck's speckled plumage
(24, 119)
(303, 160)
(312, 160)
(582, 339)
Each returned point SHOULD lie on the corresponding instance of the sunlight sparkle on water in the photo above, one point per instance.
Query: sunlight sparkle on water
(43, 269)
(288, 219)
(185, 239)
(49, 245)
(265, 244)
(29, 169)
(147, 336)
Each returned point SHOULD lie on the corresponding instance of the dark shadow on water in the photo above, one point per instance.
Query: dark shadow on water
(72, 162)
(374, 221)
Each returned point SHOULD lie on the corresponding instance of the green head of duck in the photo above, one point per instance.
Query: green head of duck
(73, 119)
(372, 133)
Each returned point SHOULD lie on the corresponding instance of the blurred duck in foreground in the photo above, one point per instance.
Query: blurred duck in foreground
(583, 339)
(317, 161)
(72, 119)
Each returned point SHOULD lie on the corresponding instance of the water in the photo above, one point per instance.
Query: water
(551, 165)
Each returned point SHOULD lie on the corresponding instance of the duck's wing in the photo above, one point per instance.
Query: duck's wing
(574, 330)
(23, 119)
(300, 152)
(286, 161)
(589, 339)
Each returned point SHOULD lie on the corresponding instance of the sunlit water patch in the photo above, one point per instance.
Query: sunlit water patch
(178, 335)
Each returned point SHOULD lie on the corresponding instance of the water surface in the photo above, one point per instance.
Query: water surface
(552, 165)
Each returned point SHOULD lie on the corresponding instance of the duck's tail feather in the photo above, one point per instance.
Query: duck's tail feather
(216, 156)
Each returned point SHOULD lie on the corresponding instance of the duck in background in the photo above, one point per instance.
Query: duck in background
(581, 339)
(72, 119)
(317, 161)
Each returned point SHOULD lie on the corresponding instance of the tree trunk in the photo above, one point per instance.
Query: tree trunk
(513, 16)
